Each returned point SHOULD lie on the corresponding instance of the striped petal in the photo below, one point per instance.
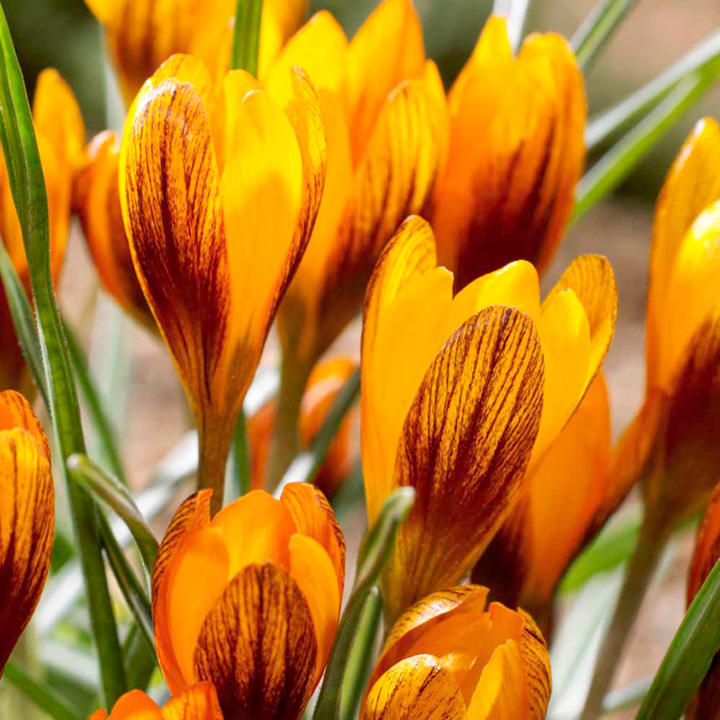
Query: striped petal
(199, 702)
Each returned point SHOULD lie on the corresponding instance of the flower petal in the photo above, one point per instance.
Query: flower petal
(135, 705)
(27, 525)
(691, 185)
(16, 412)
(416, 688)
(199, 702)
(466, 443)
(258, 646)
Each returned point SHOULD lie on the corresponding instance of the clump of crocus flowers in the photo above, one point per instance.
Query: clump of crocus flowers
(274, 174)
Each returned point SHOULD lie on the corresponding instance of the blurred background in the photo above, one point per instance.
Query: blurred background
(63, 34)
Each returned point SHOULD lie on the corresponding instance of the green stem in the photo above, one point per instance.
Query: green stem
(240, 462)
(246, 37)
(39, 693)
(28, 189)
(640, 571)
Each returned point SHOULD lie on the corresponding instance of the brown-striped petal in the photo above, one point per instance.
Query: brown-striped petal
(691, 185)
(510, 196)
(199, 702)
(97, 201)
(465, 446)
(16, 412)
(417, 688)
(258, 646)
(27, 525)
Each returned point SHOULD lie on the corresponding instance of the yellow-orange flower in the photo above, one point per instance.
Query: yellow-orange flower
(97, 203)
(706, 704)
(61, 136)
(219, 196)
(461, 394)
(324, 384)
(451, 657)
(385, 111)
(142, 34)
(250, 599)
(27, 517)
(674, 444)
(516, 154)
(198, 702)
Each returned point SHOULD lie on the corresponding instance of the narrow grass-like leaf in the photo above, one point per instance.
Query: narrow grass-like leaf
(135, 596)
(620, 118)
(617, 163)
(598, 28)
(376, 549)
(94, 404)
(238, 482)
(307, 464)
(246, 36)
(360, 661)
(689, 656)
(24, 321)
(45, 699)
(28, 190)
(110, 490)
(140, 660)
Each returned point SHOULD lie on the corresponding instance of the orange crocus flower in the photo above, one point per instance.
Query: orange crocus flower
(27, 517)
(449, 656)
(674, 443)
(198, 702)
(142, 34)
(462, 394)
(250, 599)
(97, 203)
(516, 153)
(385, 111)
(60, 136)
(219, 197)
(706, 705)
(324, 384)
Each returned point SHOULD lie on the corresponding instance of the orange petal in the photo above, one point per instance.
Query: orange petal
(170, 196)
(387, 49)
(135, 705)
(16, 412)
(417, 688)
(691, 185)
(314, 517)
(191, 518)
(97, 200)
(486, 384)
(27, 525)
(280, 19)
(199, 702)
(258, 646)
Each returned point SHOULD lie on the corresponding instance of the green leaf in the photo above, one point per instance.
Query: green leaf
(246, 36)
(133, 592)
(375, 551)
(28, 190)
(618, 119)
(96, 412)
(689, 656)
(140, 660)
(598, 28)
(48, 701)
(24, 321)
(613, 167)
(239, 470)
(307, 464)
(110, 490)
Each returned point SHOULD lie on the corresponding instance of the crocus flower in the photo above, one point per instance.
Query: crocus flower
(27, 517)
(450, 657)
(516, 154)
(462, 394)
(250, 599)
(324, 384)
(97, 203)
(706, 705)
(219, 200)
(385, 111)
(61, 136)
(198, 702)
(142, 34)
(674, 444)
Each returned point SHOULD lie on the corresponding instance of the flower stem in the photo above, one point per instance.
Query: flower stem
(213, 447)
(640, 571)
